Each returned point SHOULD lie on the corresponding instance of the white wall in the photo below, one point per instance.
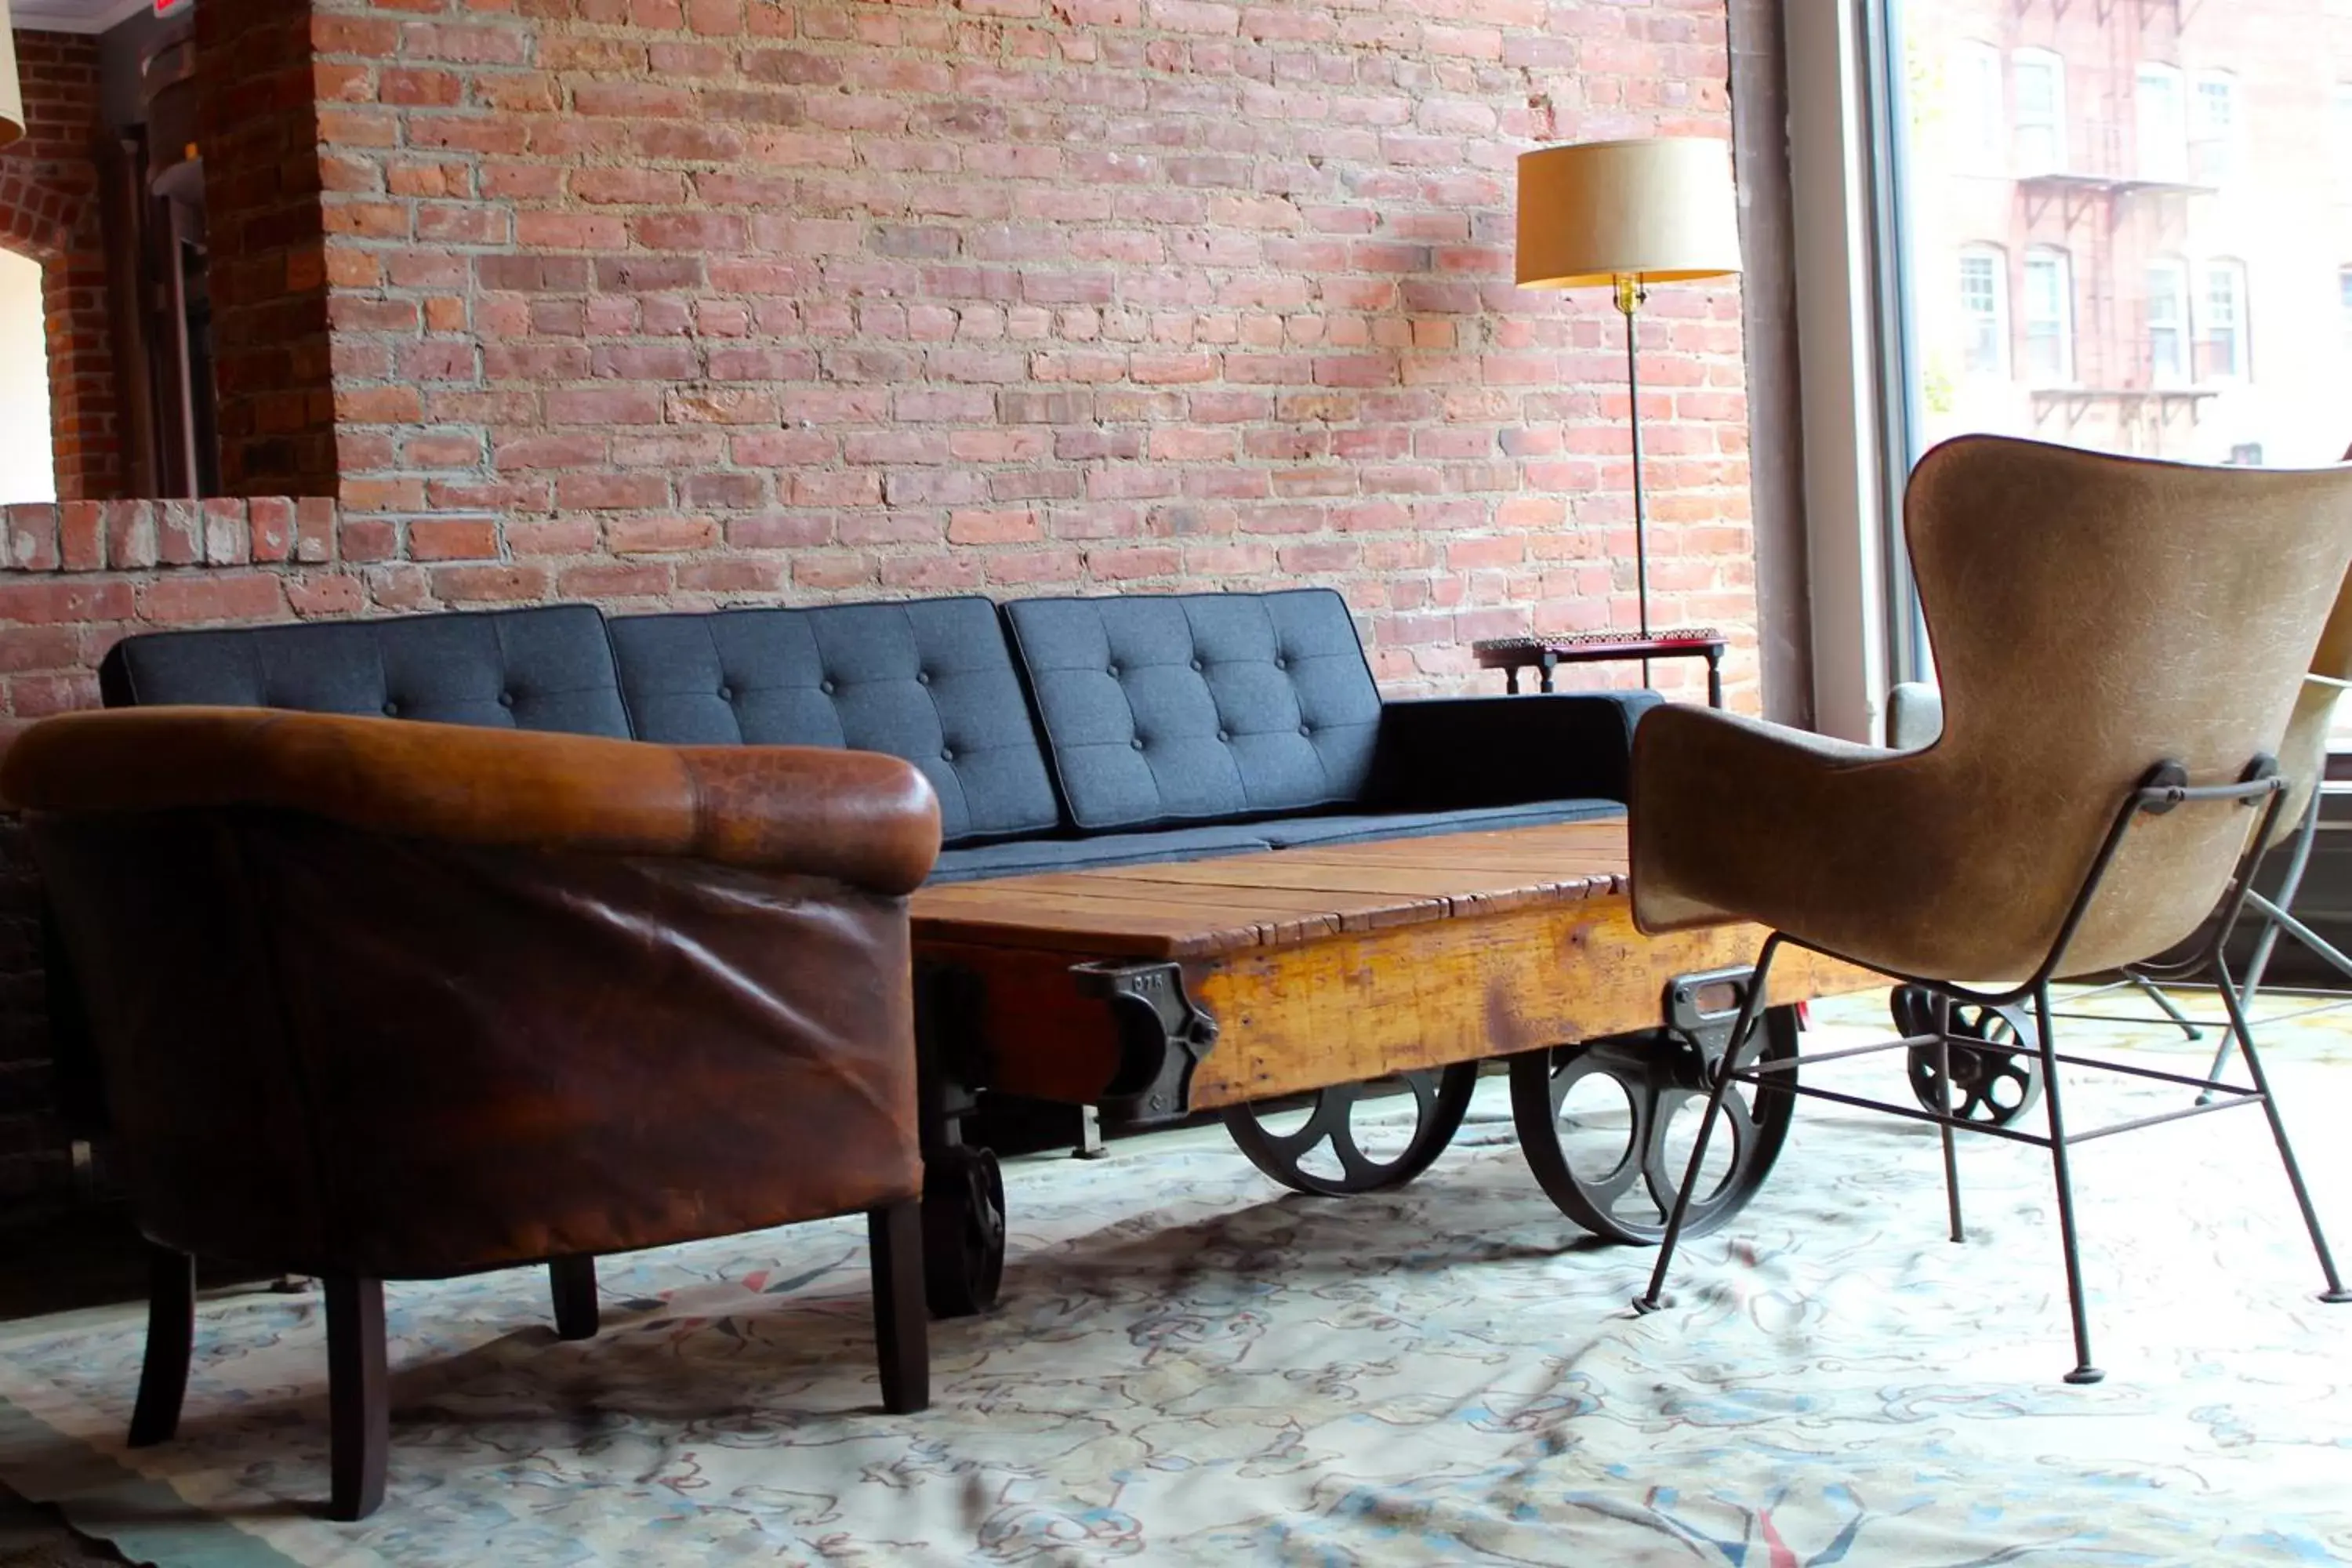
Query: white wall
(27, 466)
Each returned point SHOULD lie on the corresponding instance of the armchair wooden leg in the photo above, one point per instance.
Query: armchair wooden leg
(572, 1282)
(901, 1319)
(171, 1337)
(359, 1396)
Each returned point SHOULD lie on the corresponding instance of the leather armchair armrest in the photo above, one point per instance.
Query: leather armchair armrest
(857, 816)
(1443, 754)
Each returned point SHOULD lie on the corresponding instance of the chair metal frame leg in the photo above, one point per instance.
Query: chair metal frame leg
(2335, 1294)
(2163, 789)
(2077, 1308)
(1743, 1029)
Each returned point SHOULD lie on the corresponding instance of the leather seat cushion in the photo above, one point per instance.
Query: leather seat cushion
(542, 667)
(1354, 828)
(1023, 856)
(1200, 707)
(930, 682)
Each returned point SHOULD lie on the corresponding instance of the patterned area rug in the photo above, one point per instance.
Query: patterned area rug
(1190, 1365)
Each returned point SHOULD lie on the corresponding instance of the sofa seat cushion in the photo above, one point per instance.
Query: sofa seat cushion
(1362, 828)
(1029, 856)
(930, 682)
(1200, 707)
(544, 668)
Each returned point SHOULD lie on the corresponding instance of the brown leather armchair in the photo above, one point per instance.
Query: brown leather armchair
(380, 1000)
(2122, 644)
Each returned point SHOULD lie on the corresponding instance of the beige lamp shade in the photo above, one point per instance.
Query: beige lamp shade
(11, 98)
(1657, 209)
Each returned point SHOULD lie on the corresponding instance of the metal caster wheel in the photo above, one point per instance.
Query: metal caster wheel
(963, 1231)
(1440, 1096)
(1992, 1084)
(1607, 1127)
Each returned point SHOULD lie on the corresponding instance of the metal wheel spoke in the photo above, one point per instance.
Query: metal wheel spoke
(1658, 1076)
(1440, 1099)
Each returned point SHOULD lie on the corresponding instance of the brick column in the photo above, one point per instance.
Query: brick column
(258, 124)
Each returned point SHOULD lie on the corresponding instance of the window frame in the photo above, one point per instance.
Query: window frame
(2003, 356)
(2063, 376)
(2020, 60)
(2239, 368)
(1981, 144)
(2214, 154)
(2184, 371)
(2172, 166)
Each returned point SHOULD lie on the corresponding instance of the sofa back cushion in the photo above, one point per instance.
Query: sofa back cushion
(930, 682)
(1200, 706)
(543, 667)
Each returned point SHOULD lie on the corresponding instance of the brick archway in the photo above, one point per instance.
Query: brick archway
(49, 211)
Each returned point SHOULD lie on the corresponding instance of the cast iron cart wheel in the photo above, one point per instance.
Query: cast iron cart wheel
(1439, 1097)
(964, 1231)
(1992, 1084)
(1607, 1128)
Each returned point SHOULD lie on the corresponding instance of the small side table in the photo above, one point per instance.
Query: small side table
(1511, 654)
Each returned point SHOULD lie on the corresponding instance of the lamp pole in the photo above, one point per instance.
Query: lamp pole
(1631, 296)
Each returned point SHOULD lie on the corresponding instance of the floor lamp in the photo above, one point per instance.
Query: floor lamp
(1628, 215)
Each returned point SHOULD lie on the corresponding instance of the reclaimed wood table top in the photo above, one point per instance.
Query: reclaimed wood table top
(1201, 908)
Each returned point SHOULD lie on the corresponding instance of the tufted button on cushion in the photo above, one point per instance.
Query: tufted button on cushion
(725, 694)
(892, 678)
(1255, 703)
(547, 667)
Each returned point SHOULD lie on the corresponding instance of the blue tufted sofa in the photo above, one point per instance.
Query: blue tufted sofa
(1059, 733)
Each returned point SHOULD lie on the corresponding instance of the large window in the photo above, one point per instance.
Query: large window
(1978, 120)
(2213, 128)
(2344, 306)
(2162, 116)
(2221, 337)
(2039, 138)
(2168, 321)
(1984, 312)
(2049, 317)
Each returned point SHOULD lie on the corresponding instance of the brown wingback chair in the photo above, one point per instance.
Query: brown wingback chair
(2122, 644)
(383, 1000)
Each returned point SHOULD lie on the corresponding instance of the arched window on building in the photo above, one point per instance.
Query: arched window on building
(2169, 359)
(2215, 127)
(27, 460)
(1978, 120)
(2161, 115)
(2221, 348)
(1984, 312)
(2049, 312)
(2038, 139)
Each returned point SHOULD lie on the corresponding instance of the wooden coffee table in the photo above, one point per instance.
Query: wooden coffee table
(1158, 990)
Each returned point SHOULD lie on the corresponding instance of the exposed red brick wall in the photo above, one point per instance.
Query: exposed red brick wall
(258, 123)
(702, 298)
(49, 211)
